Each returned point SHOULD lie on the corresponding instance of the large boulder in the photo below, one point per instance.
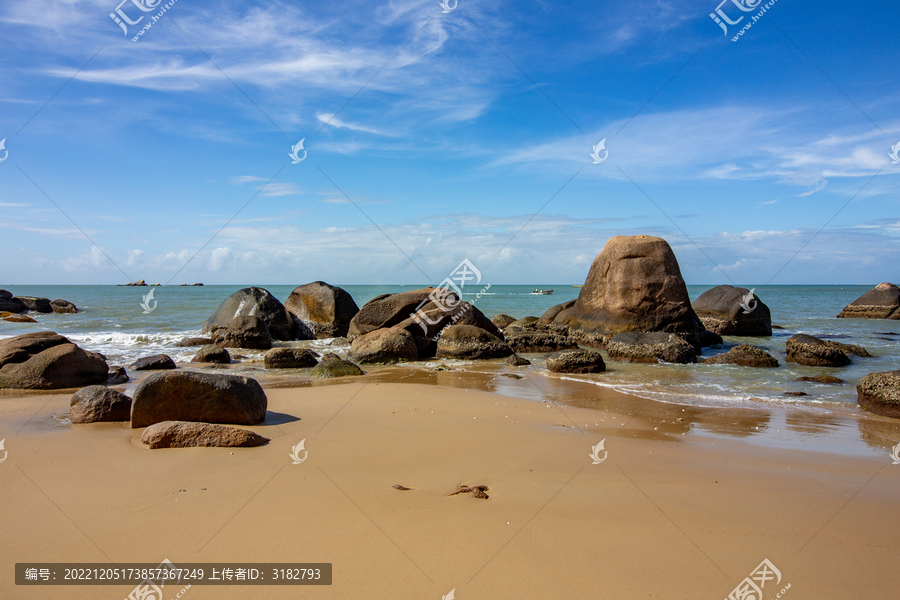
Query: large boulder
(157, 362)
(290, 358)
(634, 284)
(384, 346)
(200, 397)
(326, 309)
(46, 361)
(745, 356)
(257, 302)
(879, 393)
(811, 351)
(212, 354)
(244, 332)
(10, 304)
(551, 313)
(35, 304)
(881, 302)
(467, 342)
(724, 310)
(576, 361)
(650, 347)
(98, 403)
(402, 310)
(185, 434)
(63, 306)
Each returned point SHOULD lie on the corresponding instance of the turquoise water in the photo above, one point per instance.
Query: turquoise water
(112, 322)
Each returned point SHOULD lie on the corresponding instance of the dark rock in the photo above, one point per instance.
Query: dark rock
(517, 361)
(257, 302)
(467, 342)
(335, 367)
(822, 379)
(881, 302)
(326, 309)
(184, 434)
(116, 376)
(45, 361)
(191, 342)
(244, 332)
(879, 393)
(796, 394)
(576, 361)
(290, 358)
(201, 397)
(708, 338)
(634, 284)
(212, 354)
(745, 356)
(63, 306)
(157, 362)
(553, 311)
(423, 313)
(502, 321)
(384, 346)
(98, 403)
(811, 351)
(140, 283)
(41, 305)
(650, 347)
(724, 310)
(9, 304)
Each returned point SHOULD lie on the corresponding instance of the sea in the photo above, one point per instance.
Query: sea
(113, 322)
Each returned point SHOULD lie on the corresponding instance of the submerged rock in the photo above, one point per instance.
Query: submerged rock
(467, 342)
(157, 362)
(650, 348)
(576, 361)
(335, 367)
(811, 351)
(745, 356)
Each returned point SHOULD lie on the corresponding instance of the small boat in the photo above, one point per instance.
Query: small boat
(541, 292)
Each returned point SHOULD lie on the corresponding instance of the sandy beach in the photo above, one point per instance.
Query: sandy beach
(687, 503)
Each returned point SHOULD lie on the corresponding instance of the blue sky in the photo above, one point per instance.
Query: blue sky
(737, 153)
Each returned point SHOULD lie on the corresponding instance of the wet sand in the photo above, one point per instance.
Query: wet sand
(687, 502)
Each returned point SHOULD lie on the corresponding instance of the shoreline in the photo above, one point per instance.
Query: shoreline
(635, 525)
